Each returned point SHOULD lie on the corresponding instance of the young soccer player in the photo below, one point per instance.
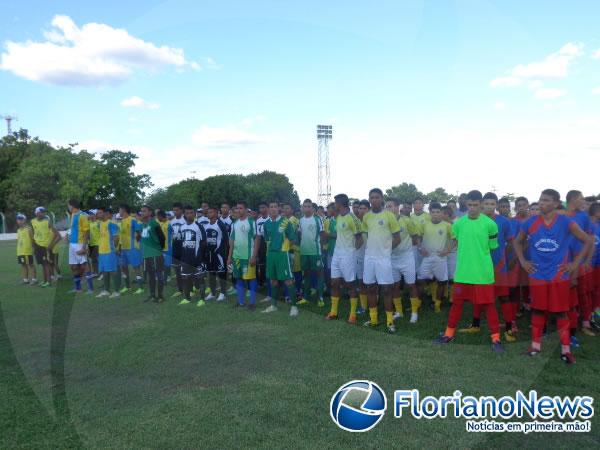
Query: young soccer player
(355, 206)
(45, 237)
(192, 241)
(215, 254)
(79, 236)
(130, 249)
(108, 243)
(435, 245)
(448, 215)
(93, 247)
(25, 250)
(407, 209)
(504, 207)
(176, 223)
(330, 232)
(501, 291)
(343, 261)
(152, 242)
(261, 262)
(476, 235)
(312, 237)
(294, 252)
(363, 209)
(582, 277)
(534, 209)
(243, 251)
(518, 281)
(463, 209)
(383, 234)
(278, 233)
(549, 269)
(165, 226)
(403, 262)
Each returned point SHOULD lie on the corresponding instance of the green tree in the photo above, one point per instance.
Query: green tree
(405, 192)
(438, 195)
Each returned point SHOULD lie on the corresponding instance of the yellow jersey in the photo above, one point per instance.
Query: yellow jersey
(379, 227)
(436, 236)
(42, 231)
(420, 220)
(24, 241)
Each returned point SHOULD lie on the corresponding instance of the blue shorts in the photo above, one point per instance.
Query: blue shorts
(167, 258)
(132, 257)
(108, 262)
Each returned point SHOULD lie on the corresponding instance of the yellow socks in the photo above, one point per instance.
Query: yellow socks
(434, 291)
(373, 315)
(335, 302)
(398, 306)
(415, 304)
(437, 306)
(363, 301)
(353, 305)
(389, 318)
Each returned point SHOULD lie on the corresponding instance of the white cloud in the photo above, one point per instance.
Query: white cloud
(596, 90)
(93, 54)
(500, 105)
(506, 82)
(229, 136)
(549, 93)
(138, 102)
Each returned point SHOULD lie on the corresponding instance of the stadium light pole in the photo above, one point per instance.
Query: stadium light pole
(324, 135)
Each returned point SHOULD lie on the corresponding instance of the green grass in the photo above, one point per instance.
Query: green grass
(99, 373)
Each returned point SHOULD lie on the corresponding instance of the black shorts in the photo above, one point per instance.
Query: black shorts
(25, 259)
(42, 255)
(216, 262)
(93, 251)
(154, 263)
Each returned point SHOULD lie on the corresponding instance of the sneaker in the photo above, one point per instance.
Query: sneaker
(360, 311)
(185, 301)
(150, 298)
(45, 284)
(270, 309)
(320, 303)
(414, 317)
(331, 316)
(293, 311)
(497, 347)
(200, 303)
(138, 291)
(176, 294)
(24, 281)
(114, 295)
(470, 329)
(587, 331)
(303, 302)
(398, 315)
(124, 290)
(209, 297)
(230, 291)
(391, 328)
(221, 298)
(443, 339)
(101, 277)
(575, 342)
(510, 336)
(568, 358)
(532, 351)
(352, 320)
(369, 324)
(267, 299)
(103, 294)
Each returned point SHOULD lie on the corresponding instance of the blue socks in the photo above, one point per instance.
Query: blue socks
(239, 286)
(90, 281)
(77, 280)
(252, 284)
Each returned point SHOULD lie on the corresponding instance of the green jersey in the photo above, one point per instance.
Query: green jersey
(347, 227)
(151, 243)
(331, 229)
(279, 234)
(243, 233)
(310, 235)
(476, 239)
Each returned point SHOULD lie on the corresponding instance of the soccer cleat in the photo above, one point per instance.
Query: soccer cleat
(200, 303)
(139, 291)
(221, 298)
(230, 291)
(574, 342)
(532, 351)
(369, 324)
(568, 358)
(303, 302)
(497, 347)
(398, 315)
(391, 328)
(352, 320)
(360, 311)
(176, 294)
(267, 299)
(103, 294)
(114, 295)
(414, 317)
(293, 311)
(510, 336)
(470, 330)
(209, 297)
(185, 301)
(124, 290)
(587, 331)
(270, 309)
(101, 277)
(207, 291)
(331, 316)
(320, 303)
(45, 284)
(443, 339)
(24, 281)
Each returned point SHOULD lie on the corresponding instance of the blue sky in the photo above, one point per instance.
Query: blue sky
(460, 94)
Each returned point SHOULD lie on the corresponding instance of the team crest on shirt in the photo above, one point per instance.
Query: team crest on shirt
(380, 222)
(311, 227)
(244, 228)
(441, 232)
(546, 245)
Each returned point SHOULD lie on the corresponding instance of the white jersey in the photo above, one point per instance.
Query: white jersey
(260, 222)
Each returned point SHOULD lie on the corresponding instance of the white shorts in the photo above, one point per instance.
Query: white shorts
(403, 265)
(451, 265)
(378, 270)
(434, 267)
(418, 257)
(74, 258)
(344, 266)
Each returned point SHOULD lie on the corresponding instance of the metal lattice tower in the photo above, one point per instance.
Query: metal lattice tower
(324, 135)
(8, 119)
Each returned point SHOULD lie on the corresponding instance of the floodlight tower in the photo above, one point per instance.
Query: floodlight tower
(8, 119)
(324, 135)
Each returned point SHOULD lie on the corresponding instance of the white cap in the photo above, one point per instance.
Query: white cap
(118, 216)
(21, 216)
(94, 211)
(40, 209)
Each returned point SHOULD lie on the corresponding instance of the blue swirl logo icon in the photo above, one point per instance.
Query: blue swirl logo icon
(358, 406)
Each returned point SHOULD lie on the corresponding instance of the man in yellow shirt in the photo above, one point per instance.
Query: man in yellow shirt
(25, 250)
(45, 237)
(94, 222)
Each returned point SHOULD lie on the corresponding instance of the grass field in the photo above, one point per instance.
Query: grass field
(99, 373)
